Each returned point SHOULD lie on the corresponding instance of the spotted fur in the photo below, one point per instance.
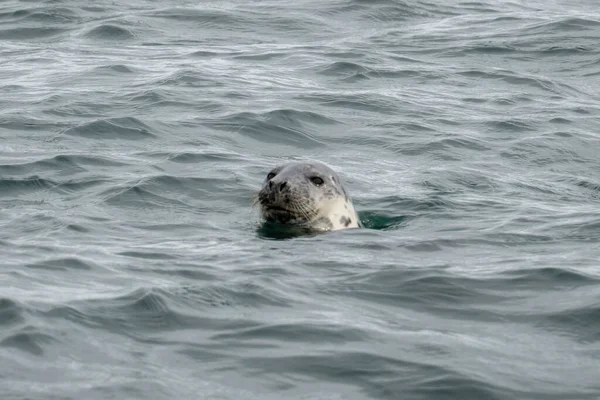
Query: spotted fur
(309, 195)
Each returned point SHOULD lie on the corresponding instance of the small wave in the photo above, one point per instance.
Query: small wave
(140, 198)
(344, 68)
(13, 187)
(298, 332)
(562, 25)
(281, 126)
(148, 255)
(126, 128)
(582, 322)
(188, 78)
(11, 313)
(110, 32)
(118, 68)
(193, 158)
(510, 126)
(543, 277)
(363, 102)
(30, 340)
(61, 264)
(64, 164)
(30, 33)
(265, 56)
(202, 16)
(380, 221)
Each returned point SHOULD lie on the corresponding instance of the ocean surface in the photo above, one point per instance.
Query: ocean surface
(134, 134)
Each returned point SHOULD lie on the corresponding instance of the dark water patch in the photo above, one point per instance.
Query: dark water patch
(148, 255)
(360, 102)
(476, 100)
(263, 128)
(511, 125)
(466, 143)
(297, 117)
(378, 376)
(110, 32)
(95, 9)
(54, 14)
(355, 77)
(192, 272)
(265, 56)
(77, 228)
(343, 68)
(116, 68)
(31, 33)
(139, 197)
(205, 53)
(317, 333)
(433, 291)
(12, 88)
(562, 25)
(135, 312)
(505, 102)
(41, 166)
(30, 340)
(457, 386)
(238, 294)
(65, 164)
(188, 78)
(563, 50)
(546, 278)
(126, 128)
(82, 184)
(14, 14)
(43, 15)
(593, 187)
(184, 185)
(487, 49)
(379, 221)
(440, 148)
(150, 97)
(560, 120)
(144, 312)
(193, 158)
(513, 78)
(202, 17)
(11, 313)
(581, 322)
(62, 264)
(563, 134)
(519, 239)
(16, 187)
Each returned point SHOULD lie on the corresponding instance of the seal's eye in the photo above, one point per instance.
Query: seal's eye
(270, 176)
(317, 181)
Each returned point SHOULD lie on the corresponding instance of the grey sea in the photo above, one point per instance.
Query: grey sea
(134, 135)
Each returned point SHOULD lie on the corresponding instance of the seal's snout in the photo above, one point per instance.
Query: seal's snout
(279, 186)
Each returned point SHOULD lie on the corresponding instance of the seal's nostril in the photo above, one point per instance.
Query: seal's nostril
(282, 185)
(270, 184)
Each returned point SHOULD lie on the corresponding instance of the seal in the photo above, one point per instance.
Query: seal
(307, 195)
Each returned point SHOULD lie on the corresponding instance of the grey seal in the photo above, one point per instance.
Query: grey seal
(307, 195)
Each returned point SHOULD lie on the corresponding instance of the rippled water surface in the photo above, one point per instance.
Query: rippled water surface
(133, 136)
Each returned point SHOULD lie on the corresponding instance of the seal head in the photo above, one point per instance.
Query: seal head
(309, 195)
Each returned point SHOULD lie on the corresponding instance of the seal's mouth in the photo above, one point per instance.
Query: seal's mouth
(276, 208)
(269, 205)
